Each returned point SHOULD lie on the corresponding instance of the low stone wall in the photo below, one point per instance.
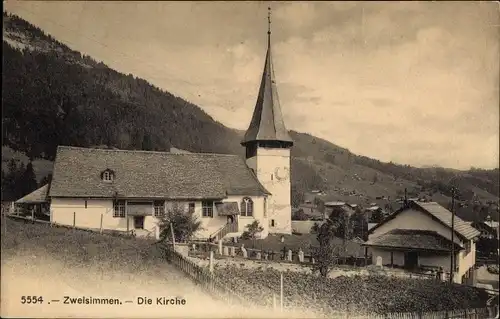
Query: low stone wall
(304, 226)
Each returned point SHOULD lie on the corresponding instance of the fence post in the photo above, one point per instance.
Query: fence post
(274, 301)
(32, 215)
(173, 236)
(211, 261)
(281, 291)
(74, 219)
(100, 229)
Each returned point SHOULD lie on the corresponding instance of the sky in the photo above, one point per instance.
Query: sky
(410, 82)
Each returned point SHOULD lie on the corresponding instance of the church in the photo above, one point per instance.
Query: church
(127, 190)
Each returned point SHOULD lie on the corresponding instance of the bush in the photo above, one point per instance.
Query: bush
(300, 215)
(493, 269)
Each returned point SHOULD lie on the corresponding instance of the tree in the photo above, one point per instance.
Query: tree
(252, 230)
(377, 216)
(46, 180)
(359, 225)
(297, 196)
(324, 254)
(185, 224)
(299, 215)
(147, 144)
(11, 181)
(320, 205)
(28, 180)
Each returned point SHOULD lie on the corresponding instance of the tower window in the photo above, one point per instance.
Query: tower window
(247, 207)
(273, 224)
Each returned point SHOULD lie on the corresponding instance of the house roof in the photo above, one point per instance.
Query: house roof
(145, 174)
(330, 204)
(492, 224)
(35, 197)
(413, 239)
(438, 213)
(267, 122)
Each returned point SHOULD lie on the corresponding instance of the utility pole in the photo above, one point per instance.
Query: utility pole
(452, 258)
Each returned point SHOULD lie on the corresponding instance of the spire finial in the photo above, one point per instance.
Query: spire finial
(269, 20)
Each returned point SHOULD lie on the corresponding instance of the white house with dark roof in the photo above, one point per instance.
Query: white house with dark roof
(125, 190)
(419, 235)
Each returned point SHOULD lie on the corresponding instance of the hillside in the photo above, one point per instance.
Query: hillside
(54, 95)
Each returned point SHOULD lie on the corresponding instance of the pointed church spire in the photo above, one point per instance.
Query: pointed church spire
(267, 123)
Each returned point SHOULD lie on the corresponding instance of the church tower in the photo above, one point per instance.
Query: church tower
(268, 145)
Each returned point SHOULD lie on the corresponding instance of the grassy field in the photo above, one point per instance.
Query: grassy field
(54, 262)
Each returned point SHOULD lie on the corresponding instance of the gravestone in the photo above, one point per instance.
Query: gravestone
(313, 261)
(301, 256)
(289, 255)
(244, 251)
(265, 255)
(220, 246)
(379, 261)
(225, 251)
(232, 251)
(258, 255)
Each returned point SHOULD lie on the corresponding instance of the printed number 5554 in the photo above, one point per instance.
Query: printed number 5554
(31, 299)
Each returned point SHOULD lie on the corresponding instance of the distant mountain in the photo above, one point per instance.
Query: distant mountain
(53, 95)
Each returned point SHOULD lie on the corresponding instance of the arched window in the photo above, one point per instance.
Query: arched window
(247, 207)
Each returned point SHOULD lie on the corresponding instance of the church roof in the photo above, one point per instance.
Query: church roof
(144, 174)
(267, 122)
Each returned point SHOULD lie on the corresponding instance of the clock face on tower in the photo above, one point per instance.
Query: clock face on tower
(282, 173)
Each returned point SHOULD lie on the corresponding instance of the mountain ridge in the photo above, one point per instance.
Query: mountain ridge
(68, 97)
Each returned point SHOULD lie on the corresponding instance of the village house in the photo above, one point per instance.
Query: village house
(419, 236)
(488, 229)
(127, 190)
(35, 204)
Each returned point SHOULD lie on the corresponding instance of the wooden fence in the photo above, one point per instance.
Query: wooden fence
(203, 277)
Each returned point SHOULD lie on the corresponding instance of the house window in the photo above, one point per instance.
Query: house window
(467, 247)
(273, 223)
(107, 175)
(247, 207)
(119, 209)
(159, 208)
(265, 207)
(208, 209)
(191, 208)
